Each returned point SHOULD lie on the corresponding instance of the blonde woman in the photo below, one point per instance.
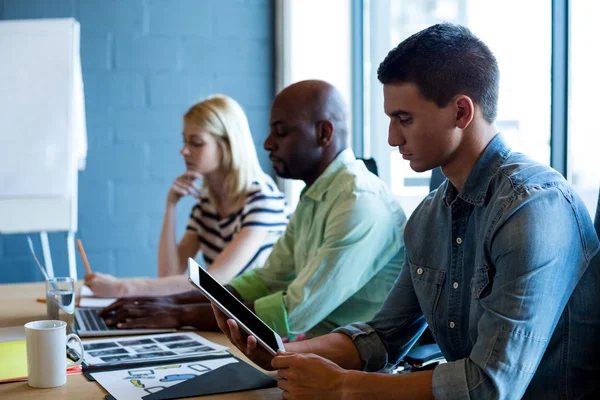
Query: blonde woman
(240, 212)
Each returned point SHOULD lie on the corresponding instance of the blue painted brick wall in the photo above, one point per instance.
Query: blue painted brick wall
(144, 62)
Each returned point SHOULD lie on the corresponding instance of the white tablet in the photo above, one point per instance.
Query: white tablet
(234, 308)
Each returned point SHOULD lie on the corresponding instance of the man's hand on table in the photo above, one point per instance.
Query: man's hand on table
(143, 312)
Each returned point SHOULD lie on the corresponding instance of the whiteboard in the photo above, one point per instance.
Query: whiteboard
(42, 125)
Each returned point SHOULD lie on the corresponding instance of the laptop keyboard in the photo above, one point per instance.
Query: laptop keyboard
(92, 321)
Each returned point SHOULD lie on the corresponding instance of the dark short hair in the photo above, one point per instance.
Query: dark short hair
(443, 61)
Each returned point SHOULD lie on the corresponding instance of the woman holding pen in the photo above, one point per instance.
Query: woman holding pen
(239, 215)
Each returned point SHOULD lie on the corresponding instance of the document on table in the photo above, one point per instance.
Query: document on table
(147, 348)
(135, 383)
(87, 299)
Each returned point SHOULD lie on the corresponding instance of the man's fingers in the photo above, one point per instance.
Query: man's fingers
(246, 344)
(283, 373)
(283, 384)
(286, 396)
(218, 313)
(283, 361)
(221, 321)
(252, 342)
(251, 347)
(236, 335)
(126, 303)
(117, 304)
(136, 323)
(124, 314)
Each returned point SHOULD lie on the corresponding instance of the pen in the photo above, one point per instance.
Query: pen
(84, 257)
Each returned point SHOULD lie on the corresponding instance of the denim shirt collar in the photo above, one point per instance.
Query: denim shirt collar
(476, 186)
(319, 188)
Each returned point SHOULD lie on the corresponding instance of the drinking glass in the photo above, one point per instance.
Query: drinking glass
(60, 301)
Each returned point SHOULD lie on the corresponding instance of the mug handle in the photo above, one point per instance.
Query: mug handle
(78, 362)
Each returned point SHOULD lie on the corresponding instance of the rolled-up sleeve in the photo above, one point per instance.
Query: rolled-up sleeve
(450, 380)
(249, 286)
(271, 309)
(386, 339)
(371, 350)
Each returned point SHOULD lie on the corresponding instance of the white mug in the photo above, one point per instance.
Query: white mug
(47, 353)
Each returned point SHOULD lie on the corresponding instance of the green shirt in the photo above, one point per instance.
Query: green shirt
(338, 258)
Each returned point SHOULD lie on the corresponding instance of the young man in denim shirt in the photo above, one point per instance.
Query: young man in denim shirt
(498, 259)
(597, 220)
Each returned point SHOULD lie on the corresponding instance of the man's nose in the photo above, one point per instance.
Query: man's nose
(395, 138)
(268, 144)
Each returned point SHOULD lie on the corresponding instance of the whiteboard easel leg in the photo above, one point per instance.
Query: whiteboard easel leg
(47, 255)
(71, 251)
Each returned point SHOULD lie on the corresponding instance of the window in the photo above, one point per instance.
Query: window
(314, 43)
(519, 34)
(584, 86)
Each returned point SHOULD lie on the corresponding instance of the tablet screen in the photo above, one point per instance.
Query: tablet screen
(237, 308)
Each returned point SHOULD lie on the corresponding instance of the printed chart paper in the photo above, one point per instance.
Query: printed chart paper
(135, 383)
(147, 348)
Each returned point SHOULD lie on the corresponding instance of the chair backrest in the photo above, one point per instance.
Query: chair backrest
(370, 164)
(437, 178)
(597, 219)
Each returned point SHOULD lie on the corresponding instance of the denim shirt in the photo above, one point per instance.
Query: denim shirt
(502, 274)
(597, 219)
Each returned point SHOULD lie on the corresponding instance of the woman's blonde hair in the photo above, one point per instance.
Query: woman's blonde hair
(225, 119)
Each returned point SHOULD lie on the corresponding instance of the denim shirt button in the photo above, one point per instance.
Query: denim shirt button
(459, 240)
(455, 285)
(420, 271)
(452, 324)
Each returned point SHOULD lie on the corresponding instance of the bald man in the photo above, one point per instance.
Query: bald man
(343, 247)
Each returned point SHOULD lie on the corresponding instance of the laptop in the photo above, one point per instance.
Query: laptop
(89, 324)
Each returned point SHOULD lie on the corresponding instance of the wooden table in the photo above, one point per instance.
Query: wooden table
(18, 306)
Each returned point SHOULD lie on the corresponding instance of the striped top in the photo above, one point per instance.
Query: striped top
(265, 208)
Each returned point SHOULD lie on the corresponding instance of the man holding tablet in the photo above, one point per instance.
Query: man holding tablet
(343, 247)
(234, 308)
(502, 259)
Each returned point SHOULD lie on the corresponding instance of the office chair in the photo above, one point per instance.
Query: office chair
(437, 178)
(597, 219)
(371, 165)
(425, 356)
(420, 358)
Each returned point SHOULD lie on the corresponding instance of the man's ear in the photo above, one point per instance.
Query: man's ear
(465, 111)
(324, 133)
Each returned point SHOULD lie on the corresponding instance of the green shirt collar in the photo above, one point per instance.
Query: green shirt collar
(319, 188)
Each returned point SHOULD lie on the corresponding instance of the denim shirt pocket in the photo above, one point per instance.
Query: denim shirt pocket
(428, 283)
(480, 282)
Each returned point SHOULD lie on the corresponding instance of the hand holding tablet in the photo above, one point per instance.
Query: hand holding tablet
(248, 345)
(229, 305)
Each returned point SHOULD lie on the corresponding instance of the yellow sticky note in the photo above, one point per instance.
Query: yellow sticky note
(13, 360)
